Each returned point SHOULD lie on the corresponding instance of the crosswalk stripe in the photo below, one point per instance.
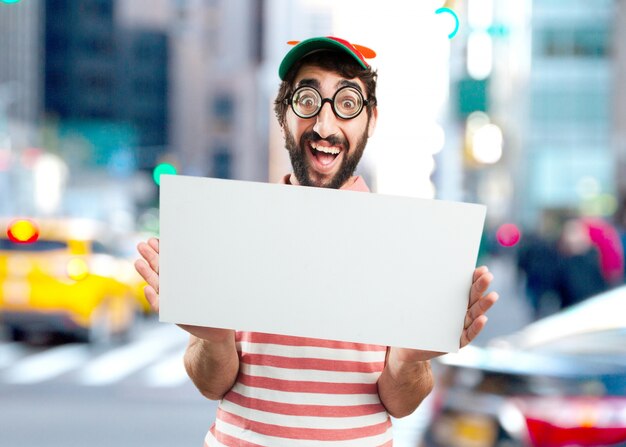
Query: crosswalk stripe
(10, 352)
(47, 365)
(169, 372)
(119, 363)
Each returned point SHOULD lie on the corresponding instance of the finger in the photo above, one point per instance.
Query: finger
(154, 243)
(152, 297)
(473, 330)
(479, 271)
(480, 307)
(479, 287)
(147, 274)
(149, 254)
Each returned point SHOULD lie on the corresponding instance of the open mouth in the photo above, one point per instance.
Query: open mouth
(324, 156)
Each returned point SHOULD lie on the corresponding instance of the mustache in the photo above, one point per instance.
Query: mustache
(332, 140)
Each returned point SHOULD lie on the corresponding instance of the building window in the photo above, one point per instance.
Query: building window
(145, 87)
(97, 8)
(222, 161)
(97, 45)
(223, 107)
(574, 104)
(223, 111)
(589, 42)
(56, 5)
(143, 50)
(98, 82)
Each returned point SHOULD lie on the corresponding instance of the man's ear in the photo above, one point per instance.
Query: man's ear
(372, 124)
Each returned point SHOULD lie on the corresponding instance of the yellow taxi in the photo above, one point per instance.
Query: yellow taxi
(59, 276)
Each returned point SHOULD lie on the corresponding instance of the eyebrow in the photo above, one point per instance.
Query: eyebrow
(346, 83)
(310, 82)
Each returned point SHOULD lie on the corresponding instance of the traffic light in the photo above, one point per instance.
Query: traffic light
(162, 168)
(8, 2)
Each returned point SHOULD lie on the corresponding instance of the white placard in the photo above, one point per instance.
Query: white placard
(314, 262)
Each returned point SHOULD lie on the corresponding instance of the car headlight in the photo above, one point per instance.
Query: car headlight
(77, 269)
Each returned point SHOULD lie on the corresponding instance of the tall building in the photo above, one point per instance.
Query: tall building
(142, 90)
(491, 69)
(104, 82)
(568, 143)
(20, 60)
(21, 90)
(545, 73)
(216, 52)
(237, 144)
(214, 48)
(80, 75)
(551, 91)
(106, 106)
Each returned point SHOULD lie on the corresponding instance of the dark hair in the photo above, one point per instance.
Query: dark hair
(340, 63)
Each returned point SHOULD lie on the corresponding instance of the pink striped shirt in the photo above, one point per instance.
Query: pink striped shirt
(304, 392)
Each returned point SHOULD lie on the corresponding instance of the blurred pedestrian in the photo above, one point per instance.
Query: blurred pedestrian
(281, 390)
(580, 273)
(607, 240)
(620, 219)
(538, 258)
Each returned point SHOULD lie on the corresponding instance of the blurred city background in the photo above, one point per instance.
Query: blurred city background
(524, 110)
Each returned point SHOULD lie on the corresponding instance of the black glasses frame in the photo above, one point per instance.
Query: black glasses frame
(364, 102)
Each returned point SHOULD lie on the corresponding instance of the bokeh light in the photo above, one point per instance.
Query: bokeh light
(487, 144)
(77, 269)
(23, 231)
(508, 235)
(162, 168)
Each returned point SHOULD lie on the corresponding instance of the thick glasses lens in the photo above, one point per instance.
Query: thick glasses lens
(348, 102)
(306, 102)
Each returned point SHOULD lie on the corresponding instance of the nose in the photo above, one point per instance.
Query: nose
(326, 121)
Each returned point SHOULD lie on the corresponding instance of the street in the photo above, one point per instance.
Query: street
(118, 415)
(128, 395)
(138, 393)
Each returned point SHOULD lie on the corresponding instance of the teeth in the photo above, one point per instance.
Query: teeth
(328, 150)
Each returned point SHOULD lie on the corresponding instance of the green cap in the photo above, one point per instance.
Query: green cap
(301, 49)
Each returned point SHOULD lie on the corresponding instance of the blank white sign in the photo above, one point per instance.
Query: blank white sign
(313, 262)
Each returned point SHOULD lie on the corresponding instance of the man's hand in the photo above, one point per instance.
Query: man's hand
(211, 359)
(475, 318)
(148, 268)
(479, 303)
(407, 378)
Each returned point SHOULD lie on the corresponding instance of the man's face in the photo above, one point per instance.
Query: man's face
(325, 150)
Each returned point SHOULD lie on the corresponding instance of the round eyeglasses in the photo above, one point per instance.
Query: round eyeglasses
(347, 102)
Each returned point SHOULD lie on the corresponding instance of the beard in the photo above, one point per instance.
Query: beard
(301, 164)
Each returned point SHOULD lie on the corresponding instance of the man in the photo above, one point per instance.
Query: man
(292, 391)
